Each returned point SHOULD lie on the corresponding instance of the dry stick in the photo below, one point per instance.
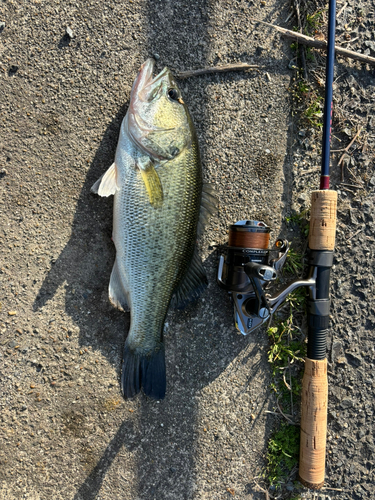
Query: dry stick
(268, 496)
(216, 69)
(346, 152)
(320, 44)
(355, 234)
(351, 185)
(302, 49)
(283, 414)
(342, 10)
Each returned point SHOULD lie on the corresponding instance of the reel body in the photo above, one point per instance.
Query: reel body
(246, 268)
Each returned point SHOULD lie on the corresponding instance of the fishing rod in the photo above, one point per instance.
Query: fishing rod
(321, 246)
(247, 267)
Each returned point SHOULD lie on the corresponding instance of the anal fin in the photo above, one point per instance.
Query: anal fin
(192, 284)
(116, 290)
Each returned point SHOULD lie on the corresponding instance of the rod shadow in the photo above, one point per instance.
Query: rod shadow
(92, 485)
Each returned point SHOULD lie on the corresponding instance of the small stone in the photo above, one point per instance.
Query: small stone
(370, 44)
(69, 32)
(346, 403)
(353, 359)
(13, 70)
(335, 350)
(156, 57)
(2, 26)
(12, 313)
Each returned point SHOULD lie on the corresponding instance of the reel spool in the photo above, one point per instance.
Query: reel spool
(248, 242)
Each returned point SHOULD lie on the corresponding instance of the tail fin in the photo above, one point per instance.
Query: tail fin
(147, 371)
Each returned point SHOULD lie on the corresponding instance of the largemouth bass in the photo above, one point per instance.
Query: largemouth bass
(160, 205)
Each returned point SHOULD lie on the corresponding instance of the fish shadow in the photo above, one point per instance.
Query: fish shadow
(84, 265)
(92, 485)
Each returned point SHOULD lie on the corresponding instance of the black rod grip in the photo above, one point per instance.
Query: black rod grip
(318, 305)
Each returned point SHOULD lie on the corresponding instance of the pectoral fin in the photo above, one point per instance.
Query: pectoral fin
(152, 182)
(107, 184)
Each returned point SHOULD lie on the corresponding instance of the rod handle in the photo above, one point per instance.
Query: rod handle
(313, 423)
(323, 220)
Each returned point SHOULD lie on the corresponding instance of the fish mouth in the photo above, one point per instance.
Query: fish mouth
(144, 78)
(145, 88)
(145, 84)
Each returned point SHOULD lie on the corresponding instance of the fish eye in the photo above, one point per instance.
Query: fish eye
(173, 94)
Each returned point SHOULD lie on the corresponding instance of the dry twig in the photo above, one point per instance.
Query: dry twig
(351, 185)
(342, 10)
(268, 496)
(355, 234)
(216, 69)
(302, 48)
(340, 163)
(284, 415)
(320, 44)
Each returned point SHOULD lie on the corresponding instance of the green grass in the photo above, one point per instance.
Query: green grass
(308, 103)
(294, 262)
(314, 22)
(283, 451)
(285, 355)
(313, 113)
(299, 219)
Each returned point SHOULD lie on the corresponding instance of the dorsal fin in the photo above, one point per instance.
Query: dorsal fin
(191, 285)
(209, 204)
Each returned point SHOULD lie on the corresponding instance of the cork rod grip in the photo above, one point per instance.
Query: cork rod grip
(323, 220)
(313, 423)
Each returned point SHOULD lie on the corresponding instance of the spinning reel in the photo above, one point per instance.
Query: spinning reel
(247, 268)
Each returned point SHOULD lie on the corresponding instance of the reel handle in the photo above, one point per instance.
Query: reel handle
(315, 383)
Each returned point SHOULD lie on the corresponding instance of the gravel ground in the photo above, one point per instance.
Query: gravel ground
(66, 73)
